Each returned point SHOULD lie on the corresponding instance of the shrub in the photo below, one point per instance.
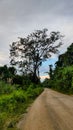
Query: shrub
(6, 88)
(14, 104)
(63, 80)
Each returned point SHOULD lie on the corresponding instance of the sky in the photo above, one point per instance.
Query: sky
(18, 18)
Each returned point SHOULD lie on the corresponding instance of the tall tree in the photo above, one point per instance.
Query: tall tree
(66, 59)
(29, 53)
(50, 71)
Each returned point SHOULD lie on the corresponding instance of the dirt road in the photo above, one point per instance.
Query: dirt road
(50, 111)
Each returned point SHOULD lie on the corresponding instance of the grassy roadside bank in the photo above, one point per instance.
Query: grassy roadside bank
(14, 102)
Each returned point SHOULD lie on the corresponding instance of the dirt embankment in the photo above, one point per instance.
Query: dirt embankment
(50, 111)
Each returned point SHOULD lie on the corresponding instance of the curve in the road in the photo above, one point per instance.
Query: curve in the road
(50, 111)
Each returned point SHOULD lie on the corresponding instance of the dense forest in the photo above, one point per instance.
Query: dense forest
(61, 78)
(20, 83)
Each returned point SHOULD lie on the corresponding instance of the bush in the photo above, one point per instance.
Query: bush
(33, 92)
(63, 80)
(6, 88)
(3, 117)
(47, 83)
(15, 103)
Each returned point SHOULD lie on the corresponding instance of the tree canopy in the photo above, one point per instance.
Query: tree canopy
(66, 59)
(29, 53)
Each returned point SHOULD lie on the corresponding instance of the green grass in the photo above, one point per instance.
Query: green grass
(13, 104)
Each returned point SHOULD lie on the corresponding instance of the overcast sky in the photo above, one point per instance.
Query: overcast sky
(21, 17)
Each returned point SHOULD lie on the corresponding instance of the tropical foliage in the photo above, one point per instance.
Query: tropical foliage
(14, 102)
(18, 90)
(62, 77)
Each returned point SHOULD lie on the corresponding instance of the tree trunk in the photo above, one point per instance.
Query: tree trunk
(35, 75)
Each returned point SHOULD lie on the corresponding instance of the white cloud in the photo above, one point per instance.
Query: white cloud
(44, 77)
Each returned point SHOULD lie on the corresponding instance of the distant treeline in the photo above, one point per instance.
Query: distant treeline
(61, 78)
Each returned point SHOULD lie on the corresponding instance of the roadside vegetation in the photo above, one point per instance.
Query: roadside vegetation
(62, 76)
(20, 83)
(14, 102)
